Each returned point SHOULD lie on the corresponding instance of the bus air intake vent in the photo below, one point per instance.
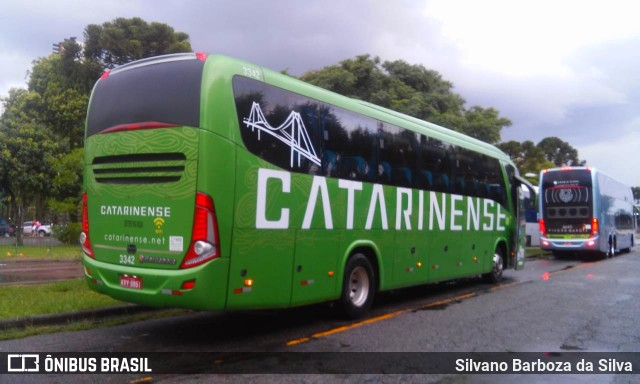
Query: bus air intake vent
(147, 168)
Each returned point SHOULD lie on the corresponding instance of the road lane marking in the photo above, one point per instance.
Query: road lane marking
(376, 319)
(391, 315)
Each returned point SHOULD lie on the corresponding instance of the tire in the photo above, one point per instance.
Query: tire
(495, 275)
(41, 233)
(612, 248)
(358, 286)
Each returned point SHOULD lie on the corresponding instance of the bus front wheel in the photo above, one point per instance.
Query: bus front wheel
(358, 286)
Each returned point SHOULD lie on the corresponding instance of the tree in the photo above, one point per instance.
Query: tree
(527, 157)
(484, 124)
(42, 128)
(123, 40)
(66, 184)
(26, 152)
(410, 89)
(63, 97)
(335, 78)
(559, 152)
(438, 103)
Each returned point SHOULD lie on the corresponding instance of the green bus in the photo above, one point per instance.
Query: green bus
(211, 183)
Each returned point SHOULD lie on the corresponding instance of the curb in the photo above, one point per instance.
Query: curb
(65, 318)
(97, 315)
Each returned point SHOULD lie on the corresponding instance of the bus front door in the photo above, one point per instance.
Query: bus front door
(526, 201)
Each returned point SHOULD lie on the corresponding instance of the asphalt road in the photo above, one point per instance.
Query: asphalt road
(551, 307)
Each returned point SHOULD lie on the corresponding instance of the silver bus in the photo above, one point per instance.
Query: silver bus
(584, 210)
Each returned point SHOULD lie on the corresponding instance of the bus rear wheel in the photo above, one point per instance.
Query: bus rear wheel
(358, 286)
(612, 247)
(495, 275)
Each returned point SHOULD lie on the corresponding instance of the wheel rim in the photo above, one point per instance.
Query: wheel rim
(359, 286)
(497, 264)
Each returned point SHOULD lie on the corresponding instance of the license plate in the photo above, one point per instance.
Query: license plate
(131, 282)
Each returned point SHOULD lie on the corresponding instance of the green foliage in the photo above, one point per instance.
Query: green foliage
(64, 198)
(559, 152)
(410, 89)
(528, 157)
(26, 149)
(61, 106)
(123, 40)
(68, 234)
(484, 124)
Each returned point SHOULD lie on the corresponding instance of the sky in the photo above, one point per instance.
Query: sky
(569, 69)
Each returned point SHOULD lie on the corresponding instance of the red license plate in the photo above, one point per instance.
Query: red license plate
(132, 282)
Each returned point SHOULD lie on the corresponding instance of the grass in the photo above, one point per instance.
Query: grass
(18, 333)
(54, 252)
(19, 301)
(23, 301)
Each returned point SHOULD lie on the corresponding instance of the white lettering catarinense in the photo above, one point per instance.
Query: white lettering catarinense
(441, 211)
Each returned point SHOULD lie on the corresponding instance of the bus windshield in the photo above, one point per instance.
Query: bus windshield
(568, 201)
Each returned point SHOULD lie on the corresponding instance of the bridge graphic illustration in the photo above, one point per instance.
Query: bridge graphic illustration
(292, 133)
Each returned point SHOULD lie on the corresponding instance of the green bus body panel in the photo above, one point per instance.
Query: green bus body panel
(285, 237)
(160, 286)
(296, 265)
(151, 216)
(163, 237)
(217, 105)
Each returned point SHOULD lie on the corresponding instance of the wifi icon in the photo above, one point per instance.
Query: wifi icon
(158, 222)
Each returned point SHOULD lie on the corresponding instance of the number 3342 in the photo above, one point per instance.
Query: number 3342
(127, 259)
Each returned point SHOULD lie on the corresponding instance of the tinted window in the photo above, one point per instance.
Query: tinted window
(567, 177)
(308, 136)
(564, 187)
(304, 135)
(163, 90)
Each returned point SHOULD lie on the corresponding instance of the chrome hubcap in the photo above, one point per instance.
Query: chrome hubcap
(359, 286)
(497, 264)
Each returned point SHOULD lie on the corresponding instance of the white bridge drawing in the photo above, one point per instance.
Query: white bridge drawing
(292, 133)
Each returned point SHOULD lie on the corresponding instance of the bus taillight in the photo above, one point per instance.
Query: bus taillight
(595, 227)
(204, 244)
(202, 56)
(543, 228)
(85, 242)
